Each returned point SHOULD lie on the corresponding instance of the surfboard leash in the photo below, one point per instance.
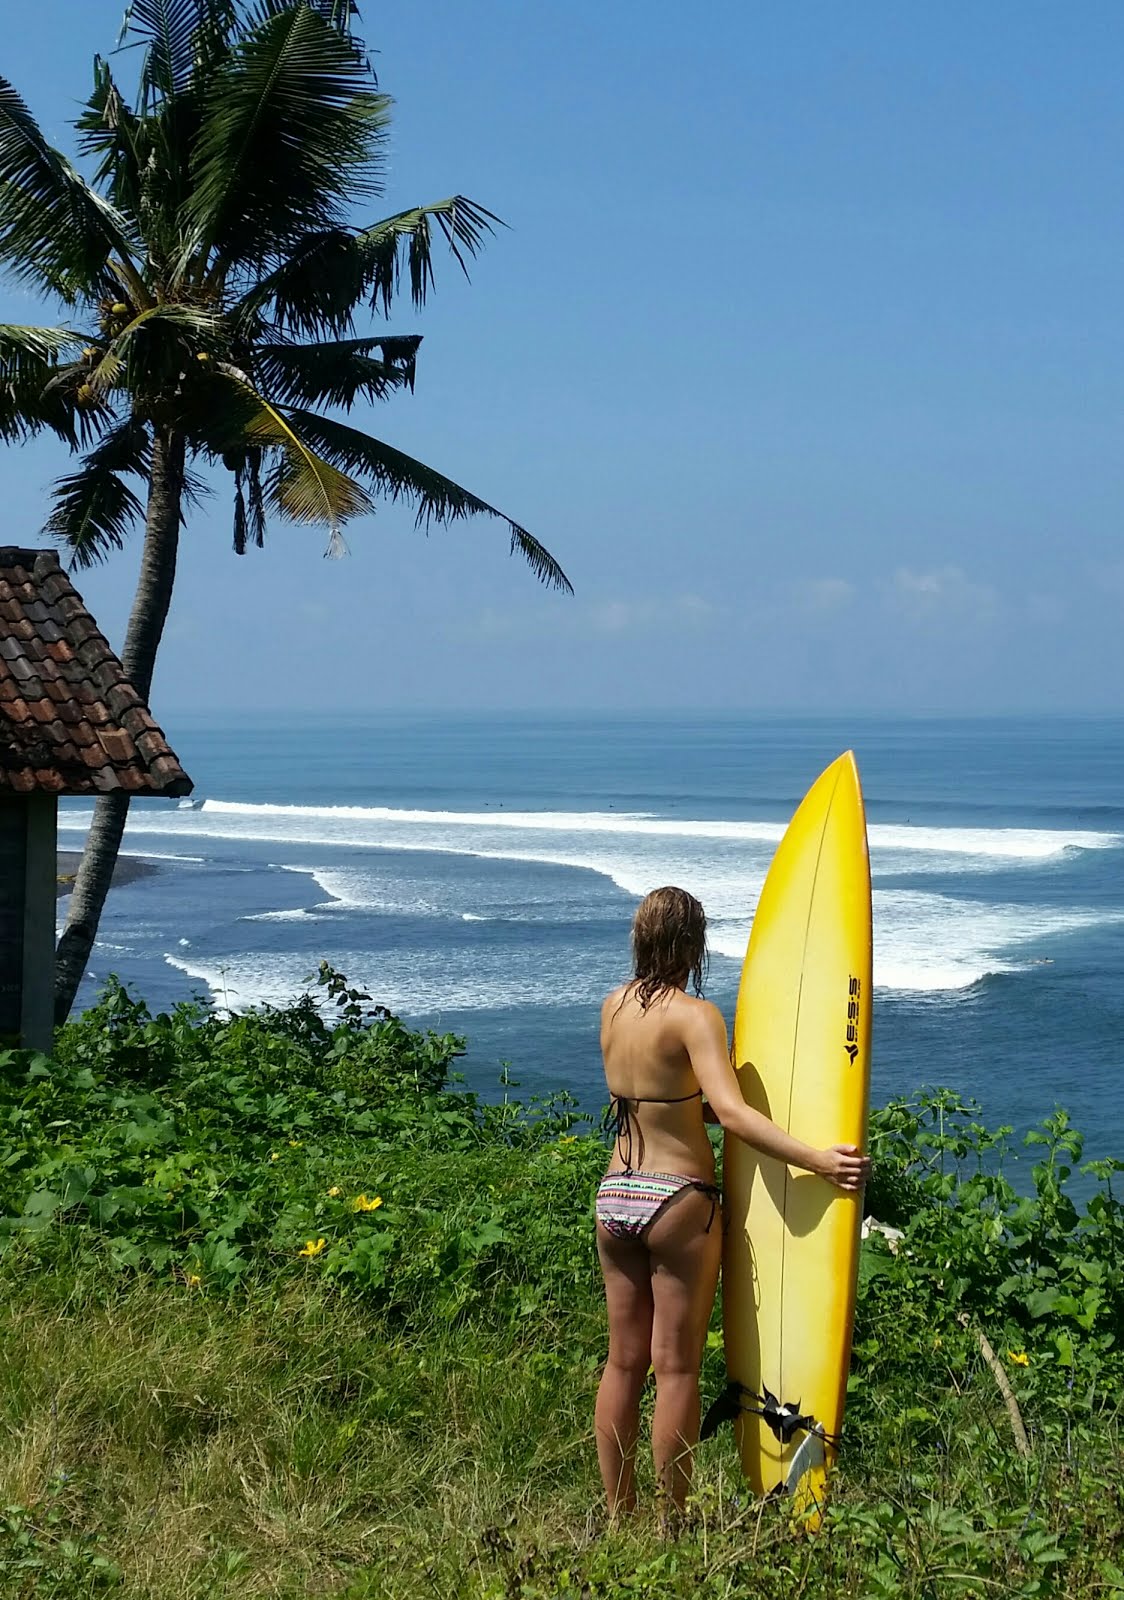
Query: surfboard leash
(781, 1417)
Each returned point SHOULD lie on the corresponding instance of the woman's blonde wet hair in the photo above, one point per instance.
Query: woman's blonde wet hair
(668, 944)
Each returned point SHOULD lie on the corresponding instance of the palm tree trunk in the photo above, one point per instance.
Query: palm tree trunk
(146, 625)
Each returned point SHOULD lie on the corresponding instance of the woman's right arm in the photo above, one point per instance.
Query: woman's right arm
(705, 1039)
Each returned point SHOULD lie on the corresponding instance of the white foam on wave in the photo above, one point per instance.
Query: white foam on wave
(290, 914)
(162, 855)
(924, 941)
(1004, 844)
(355, 889)
(315, 873)
(350, 889)
(411, 981)
(472, 832)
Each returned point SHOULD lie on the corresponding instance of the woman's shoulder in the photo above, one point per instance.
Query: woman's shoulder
(697, 1009)
(674, 1004)
(615, 998)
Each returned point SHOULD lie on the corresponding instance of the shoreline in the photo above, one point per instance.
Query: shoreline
(128, 870)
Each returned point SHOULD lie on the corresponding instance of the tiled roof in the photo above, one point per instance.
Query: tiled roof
(70, 720)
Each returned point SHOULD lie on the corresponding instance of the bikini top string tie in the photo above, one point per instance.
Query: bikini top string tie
(618, 1118)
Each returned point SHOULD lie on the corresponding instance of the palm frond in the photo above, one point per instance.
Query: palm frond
(336, 373)
(184, 43)
(249, 497)
(303, 486)
(23, 345)
(329, 274)
(314, 291)
(142, 165)
(94, 508)
(173, 34)
(465, 226)
(110, 131)
(55, 231)
(339, 13)
(290, 133)
(255, 496)
(195, 491)
(239, 511)
(397, 476)
(30, 361)
(300, 484)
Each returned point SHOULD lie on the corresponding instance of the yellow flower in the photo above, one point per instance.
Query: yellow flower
(193, 1280)
(361, 1203)
(1018, 1358)
(314, 1247)
(295, 1144)
(333, 1191)
(275, 1155)
(568, 1138)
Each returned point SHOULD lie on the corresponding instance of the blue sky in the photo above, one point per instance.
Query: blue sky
(803, 353)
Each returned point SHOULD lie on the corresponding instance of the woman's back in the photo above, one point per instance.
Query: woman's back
(654, 1089)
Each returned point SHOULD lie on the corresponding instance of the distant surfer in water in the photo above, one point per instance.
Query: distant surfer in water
(659, 1212)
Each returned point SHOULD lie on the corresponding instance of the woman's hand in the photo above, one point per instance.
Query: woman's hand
(845, 1166)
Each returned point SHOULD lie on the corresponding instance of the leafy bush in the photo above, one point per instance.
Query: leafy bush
(216, 1146)
(1042, 1274)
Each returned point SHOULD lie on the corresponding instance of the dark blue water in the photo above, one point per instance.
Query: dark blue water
(479, 873)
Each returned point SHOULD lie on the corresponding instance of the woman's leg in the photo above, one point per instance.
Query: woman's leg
(628, 1295)
(685, 1258)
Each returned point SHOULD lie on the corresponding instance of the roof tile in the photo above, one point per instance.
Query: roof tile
(118, 746)
(70, 720)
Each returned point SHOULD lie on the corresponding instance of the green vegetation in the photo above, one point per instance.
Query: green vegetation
(287, 1311)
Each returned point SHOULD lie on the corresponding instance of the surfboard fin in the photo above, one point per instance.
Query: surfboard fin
(810, 1455)
(807, 1484)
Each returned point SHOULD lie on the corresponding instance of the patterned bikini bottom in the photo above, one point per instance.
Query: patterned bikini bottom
(629, 1202)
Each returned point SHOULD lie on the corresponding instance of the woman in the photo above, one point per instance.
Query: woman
(659, 1219)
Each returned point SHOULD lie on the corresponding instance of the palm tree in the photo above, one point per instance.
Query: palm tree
(215, 280)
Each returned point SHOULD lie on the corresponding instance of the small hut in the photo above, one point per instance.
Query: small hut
(71, 723)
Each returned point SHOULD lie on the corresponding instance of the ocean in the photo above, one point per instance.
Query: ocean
(478, 873)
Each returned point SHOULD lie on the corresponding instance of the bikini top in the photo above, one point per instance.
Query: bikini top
(618, 1117)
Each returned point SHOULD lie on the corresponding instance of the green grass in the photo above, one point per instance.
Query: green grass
(191, 1405)
(288, 1443)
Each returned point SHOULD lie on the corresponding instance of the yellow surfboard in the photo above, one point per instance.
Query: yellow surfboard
(802, 1055)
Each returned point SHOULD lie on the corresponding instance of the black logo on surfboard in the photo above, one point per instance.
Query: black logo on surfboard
(854, 994)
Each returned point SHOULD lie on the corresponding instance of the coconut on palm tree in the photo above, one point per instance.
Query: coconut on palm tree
(213, 279)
